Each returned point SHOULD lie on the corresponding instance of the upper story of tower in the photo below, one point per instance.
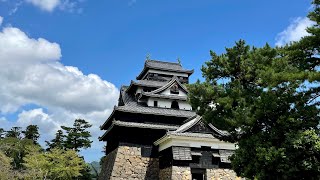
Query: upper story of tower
(163, 71)
(162, 85)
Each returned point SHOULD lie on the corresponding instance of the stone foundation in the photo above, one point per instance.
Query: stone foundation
(126, 162)
(165, 173)
(181, 173)
(221, 174)
(184, 173)
(129, 164)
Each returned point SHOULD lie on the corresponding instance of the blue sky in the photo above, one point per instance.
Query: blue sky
(110, 39)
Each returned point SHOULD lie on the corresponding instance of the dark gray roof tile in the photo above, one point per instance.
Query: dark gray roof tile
(156, 111)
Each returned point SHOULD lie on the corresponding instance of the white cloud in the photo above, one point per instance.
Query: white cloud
(51, 5)
(47, 5)
(1, 20)
(17, 47)
(294, 32)
(31, 73)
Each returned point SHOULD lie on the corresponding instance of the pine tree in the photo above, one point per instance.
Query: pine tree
(32, 132)
(261, 97)
(57, 142)
(14, 132)
(77, 136)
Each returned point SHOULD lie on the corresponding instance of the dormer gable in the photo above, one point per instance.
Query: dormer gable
(173, 87)
(195, 124)
(172, 90)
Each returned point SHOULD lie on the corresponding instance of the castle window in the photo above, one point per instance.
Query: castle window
(174, 105)
(155, 103)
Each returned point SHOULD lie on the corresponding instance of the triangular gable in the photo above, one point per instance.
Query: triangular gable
(196, 125)
(174, 81)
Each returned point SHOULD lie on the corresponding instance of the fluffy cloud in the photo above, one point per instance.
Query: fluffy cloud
(50, 5)
(1, 20)
(294, 32)
(47, 5)
(32, 74)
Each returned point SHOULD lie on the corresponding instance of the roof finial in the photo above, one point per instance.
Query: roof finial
(179, 61)
(148, 57)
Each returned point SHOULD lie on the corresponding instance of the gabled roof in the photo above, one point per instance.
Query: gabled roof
(161, 65)
(193, 121)
(190, 122)
(168, 85)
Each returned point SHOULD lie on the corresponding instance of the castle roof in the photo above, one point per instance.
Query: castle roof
(162, 65)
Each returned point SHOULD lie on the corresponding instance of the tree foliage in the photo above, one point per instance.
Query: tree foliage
(54, 164)
(57, 142)
(15, 149)
(14, 132)
(267, 98)
(5, 167)
(77, 136)
(32, 132)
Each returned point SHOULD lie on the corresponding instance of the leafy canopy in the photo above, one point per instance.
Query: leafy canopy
(267, 98)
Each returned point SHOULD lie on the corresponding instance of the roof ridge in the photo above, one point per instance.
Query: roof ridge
(160, 61)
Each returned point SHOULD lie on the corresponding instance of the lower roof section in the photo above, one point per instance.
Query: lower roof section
(156, 111)
(137, 125)
(196, 140)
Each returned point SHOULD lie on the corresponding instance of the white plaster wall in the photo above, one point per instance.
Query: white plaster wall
(163, 103)
(166, 103)
(185, 105)
(167, 92)
(168, 73)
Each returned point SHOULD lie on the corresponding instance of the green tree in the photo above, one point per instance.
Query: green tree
(77, 136)
(5, 168)
(57, 142)
(54, 164)
(14, 132)
(267, 99)
(15, 149)
(32, 132)
(2, 133)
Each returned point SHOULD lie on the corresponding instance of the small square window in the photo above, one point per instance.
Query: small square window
(155, 103)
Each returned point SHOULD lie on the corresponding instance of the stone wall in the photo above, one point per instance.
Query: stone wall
(221, 174)
(181, 173)
(165, 173)
(129, 164)
(107, 165)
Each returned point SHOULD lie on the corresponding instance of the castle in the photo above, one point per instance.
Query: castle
(154, 134)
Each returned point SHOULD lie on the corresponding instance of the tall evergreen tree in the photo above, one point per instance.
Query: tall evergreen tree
(57, 142)
(261, 97)
(32, 132)
(14, 132)
(77, 136)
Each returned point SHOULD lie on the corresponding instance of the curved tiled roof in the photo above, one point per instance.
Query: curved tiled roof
(147, 83)
(144, 125)
(192, 121)
(162, 65)
(156, 111)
